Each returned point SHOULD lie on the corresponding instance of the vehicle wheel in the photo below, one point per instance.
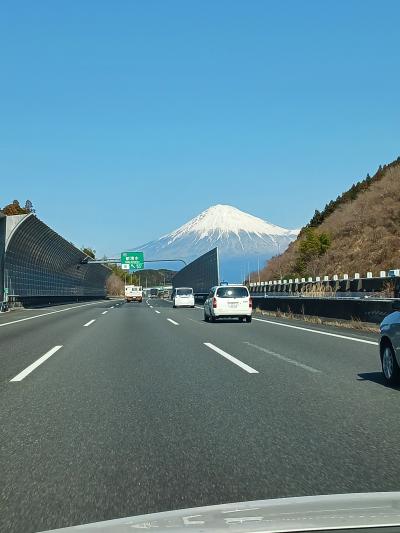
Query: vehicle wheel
(174, 307)
(213, 318)
(241, 319)
(390, 368)
(248, 318)
(206, 318)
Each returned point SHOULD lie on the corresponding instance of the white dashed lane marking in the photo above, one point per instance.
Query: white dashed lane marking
(232, 359)
(38, 362)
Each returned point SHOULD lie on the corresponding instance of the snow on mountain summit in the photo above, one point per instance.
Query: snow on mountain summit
(219, 220)
(244, 241)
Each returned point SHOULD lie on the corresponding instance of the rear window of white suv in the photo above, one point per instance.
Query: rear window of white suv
(184, 292)
(232, 292)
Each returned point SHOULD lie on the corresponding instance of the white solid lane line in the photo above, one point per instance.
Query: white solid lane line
(284, 358)
(47, 314)
(104, 312)
(309, 330)
(158, 312)
(89, 323)
(172, 321)
(232, 359)
(30, 368)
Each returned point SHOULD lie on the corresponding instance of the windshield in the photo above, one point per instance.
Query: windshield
(232, 292)
(199, 260)
(184, 292)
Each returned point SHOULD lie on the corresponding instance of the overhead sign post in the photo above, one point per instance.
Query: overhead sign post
(132, 261)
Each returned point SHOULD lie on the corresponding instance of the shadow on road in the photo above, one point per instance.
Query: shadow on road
(376, 377)
(227, 321)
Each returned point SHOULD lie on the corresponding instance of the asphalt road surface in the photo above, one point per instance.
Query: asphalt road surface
(111, 409)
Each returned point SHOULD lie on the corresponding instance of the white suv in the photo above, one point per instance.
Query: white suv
(228, 301)
(183, 297)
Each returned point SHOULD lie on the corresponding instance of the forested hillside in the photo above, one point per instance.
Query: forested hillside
(357, 232)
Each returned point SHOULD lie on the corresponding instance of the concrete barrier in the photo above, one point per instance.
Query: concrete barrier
(346, 309)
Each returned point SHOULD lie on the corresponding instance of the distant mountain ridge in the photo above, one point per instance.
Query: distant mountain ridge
(243, 240)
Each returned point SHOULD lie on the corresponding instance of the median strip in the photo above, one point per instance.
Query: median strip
(230, 358)
(283, 358)
(38, 362)
(89, 323)
(172, 321)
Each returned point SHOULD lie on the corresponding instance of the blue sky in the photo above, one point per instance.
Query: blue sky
(121, 120)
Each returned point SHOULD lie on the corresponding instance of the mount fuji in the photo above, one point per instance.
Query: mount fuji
(244, 241)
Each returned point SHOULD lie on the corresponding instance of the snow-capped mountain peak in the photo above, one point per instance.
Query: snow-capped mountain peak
(244, 241)
(220, 220)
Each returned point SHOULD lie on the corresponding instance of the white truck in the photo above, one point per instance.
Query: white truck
(133, 293)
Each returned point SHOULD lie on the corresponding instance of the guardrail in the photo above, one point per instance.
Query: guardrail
(386, 285)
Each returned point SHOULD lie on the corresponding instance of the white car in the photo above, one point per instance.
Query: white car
(228, 301)
(183, 297)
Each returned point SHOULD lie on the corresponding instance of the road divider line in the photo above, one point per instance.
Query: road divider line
(337, 335)
(195, 321)
(112, 307)
(151, 307)
(38, 362)
(104, 312)
(284, 358)
(47, 314)
(89, 323)
(172, 321)
(230, 358)
(158, 312)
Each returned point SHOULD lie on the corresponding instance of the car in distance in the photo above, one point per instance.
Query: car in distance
(228, 301)
(389, 345)
(133, 293)
(183, 297)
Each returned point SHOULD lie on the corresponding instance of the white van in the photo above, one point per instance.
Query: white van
(183, 297)
(228, 301)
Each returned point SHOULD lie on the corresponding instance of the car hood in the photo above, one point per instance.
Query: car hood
(307, 513)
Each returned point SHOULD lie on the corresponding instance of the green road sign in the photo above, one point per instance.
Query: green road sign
(132, 260)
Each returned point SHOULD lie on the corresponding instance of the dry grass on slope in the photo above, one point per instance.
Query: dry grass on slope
(365, 234)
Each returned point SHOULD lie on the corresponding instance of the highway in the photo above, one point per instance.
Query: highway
(111, 409)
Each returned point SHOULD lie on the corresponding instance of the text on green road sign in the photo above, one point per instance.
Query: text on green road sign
(132, 260)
